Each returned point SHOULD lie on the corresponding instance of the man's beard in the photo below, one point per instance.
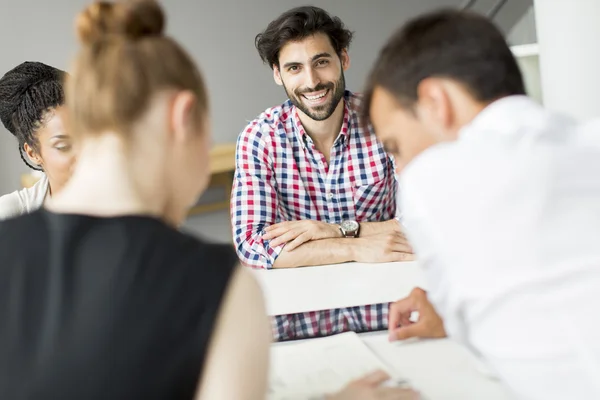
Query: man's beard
(322, 111)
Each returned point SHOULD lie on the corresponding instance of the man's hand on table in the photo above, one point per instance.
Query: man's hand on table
(428, 325)
(387, 247)
(371, 387)
(295, 233)
(386, 244)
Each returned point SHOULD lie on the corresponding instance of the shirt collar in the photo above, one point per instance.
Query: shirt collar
(507, 115)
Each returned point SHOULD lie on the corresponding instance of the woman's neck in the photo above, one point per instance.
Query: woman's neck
(107, 182)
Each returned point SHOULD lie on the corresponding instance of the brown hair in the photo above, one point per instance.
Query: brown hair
(297, 24)
(125, 60)
(459, 45)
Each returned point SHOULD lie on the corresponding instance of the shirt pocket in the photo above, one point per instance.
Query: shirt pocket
(370, 200)
(370, 182)
(369, 188)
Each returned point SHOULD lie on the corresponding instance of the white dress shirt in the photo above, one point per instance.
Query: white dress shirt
(506, 223)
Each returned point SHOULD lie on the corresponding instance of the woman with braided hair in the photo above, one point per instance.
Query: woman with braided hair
(31, 108)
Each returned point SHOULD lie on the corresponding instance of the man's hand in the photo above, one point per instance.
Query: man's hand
(370, 388)
(295, 233)
(388, 247)
(428, 325)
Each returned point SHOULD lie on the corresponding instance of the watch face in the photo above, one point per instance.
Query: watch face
(349, 226)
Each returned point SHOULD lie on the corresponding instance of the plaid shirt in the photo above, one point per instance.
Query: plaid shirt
(281, 176)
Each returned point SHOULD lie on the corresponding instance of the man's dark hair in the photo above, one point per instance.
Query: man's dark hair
(297, 24)
(27, 93)
(459, 45)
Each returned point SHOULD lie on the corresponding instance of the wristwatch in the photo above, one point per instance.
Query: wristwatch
(349, 229)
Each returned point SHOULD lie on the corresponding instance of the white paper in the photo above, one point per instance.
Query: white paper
(309, 369)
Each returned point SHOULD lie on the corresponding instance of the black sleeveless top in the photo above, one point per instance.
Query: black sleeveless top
(105, 308)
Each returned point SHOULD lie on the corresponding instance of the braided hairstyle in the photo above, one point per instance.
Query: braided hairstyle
(27, 93)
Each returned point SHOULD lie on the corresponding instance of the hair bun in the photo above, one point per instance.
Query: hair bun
(133, 19)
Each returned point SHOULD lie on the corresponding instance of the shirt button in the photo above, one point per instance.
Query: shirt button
(330, 195)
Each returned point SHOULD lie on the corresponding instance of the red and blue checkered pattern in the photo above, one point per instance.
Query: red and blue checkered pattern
(281, 176)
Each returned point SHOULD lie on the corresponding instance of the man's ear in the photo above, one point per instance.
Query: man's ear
(434, 105)
(33, 155)
(277, 75)
(345, 59)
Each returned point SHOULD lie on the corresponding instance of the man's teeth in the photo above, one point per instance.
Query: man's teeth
(315, 97)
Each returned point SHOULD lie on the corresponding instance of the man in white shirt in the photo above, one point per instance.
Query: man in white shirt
(501, 200)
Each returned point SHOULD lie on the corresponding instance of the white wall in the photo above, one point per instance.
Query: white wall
(220, 35)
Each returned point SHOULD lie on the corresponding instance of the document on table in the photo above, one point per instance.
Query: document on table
(308, 369)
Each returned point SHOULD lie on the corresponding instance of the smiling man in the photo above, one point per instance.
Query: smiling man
(311, 187)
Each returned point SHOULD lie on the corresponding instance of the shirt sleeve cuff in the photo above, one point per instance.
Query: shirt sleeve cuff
(273, 253)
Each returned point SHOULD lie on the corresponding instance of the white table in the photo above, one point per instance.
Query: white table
(440, 369)
(289, 291)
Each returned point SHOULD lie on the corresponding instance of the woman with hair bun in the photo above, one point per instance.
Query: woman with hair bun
(101, 297)
(32, 109)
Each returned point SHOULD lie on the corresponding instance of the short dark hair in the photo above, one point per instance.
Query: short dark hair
(297, 24)
(459, 45)
(27, 93)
